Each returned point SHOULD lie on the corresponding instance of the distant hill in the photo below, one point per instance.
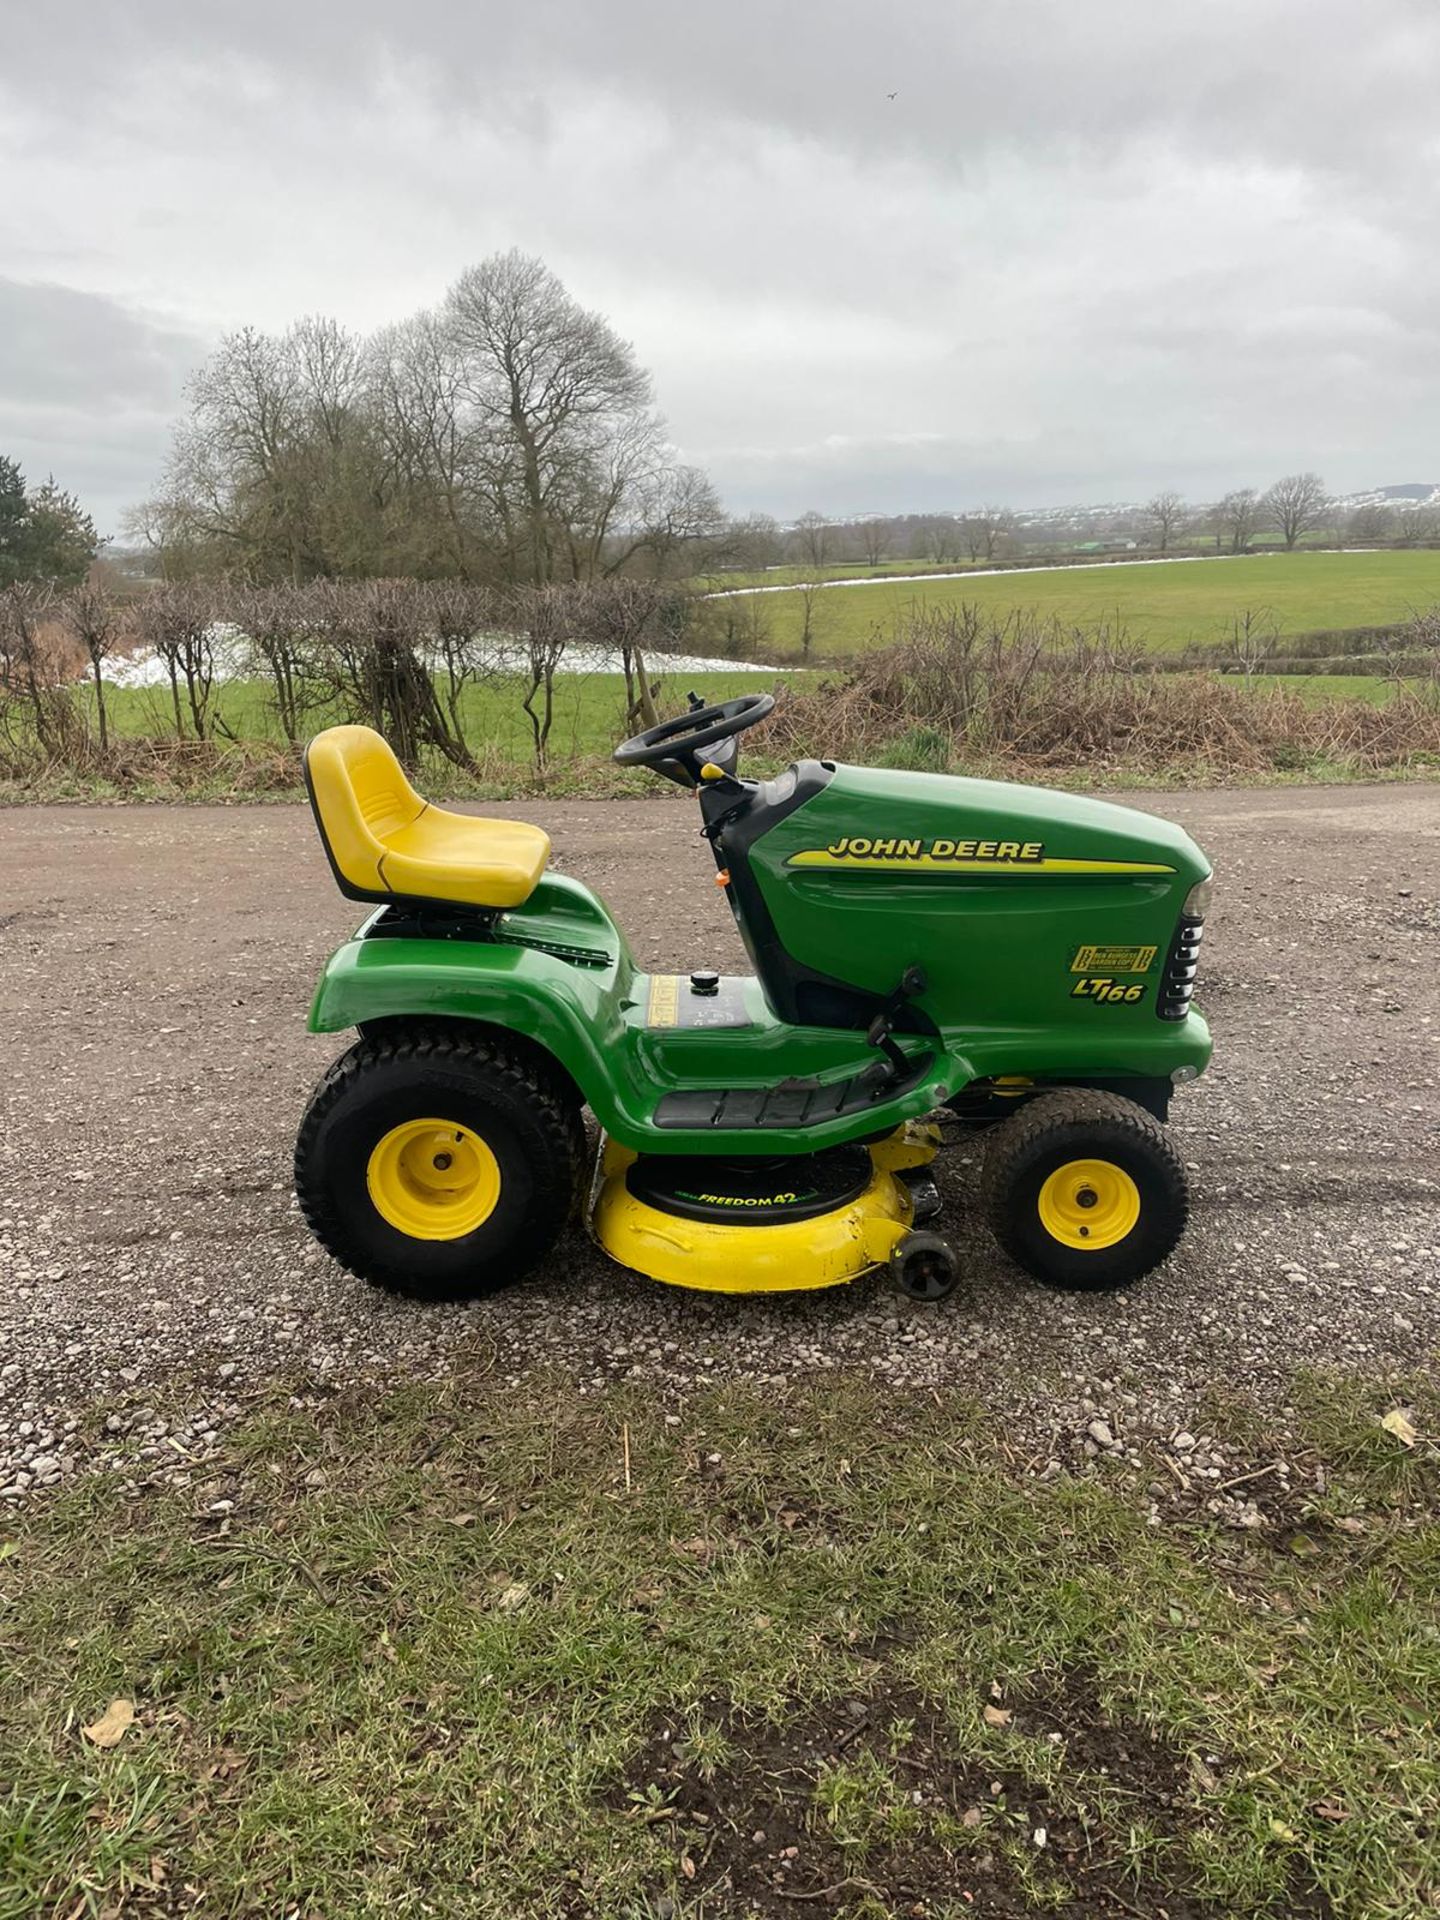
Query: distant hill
(1419, 493)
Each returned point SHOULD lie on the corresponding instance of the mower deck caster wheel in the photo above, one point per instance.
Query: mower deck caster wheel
(924, 1268)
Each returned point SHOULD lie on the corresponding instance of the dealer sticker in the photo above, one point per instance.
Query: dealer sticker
(1113, 959)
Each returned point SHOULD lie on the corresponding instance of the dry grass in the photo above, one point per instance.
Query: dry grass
(957, 686)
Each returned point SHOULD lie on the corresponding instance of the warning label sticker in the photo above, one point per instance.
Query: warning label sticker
(1113, 959)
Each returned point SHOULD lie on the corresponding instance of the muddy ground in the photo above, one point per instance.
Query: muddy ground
(155, 969)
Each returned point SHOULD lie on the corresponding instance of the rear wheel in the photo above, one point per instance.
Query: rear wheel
(438, 1165)
(1084, 1189)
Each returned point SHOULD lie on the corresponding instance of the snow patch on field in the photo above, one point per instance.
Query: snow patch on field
(234, 661)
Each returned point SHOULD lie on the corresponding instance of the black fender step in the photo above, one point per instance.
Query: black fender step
(793, 1103)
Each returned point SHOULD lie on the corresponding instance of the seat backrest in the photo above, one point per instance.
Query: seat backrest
(359, 795)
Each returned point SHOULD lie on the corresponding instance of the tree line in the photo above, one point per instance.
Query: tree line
(507, 436)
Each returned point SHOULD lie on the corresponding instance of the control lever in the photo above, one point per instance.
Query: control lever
(913, 982)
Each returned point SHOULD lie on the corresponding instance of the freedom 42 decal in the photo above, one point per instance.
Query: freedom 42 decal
(859, 855)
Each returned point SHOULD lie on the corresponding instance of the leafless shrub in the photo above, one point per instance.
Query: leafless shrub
(371, 657)
(39, 719)
(1026, 694)
(1251, 638)
(542, 617)
(283, 630)
(178, 624)
(92, 618)
(466, 643)
(631, 619)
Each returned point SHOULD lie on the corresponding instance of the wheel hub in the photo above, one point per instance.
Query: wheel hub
(433, 1180)
(1089, 1204)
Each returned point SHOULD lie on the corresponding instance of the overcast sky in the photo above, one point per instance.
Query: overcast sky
(1088, 249)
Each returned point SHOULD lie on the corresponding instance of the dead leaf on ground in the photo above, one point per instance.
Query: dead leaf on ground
(971, 1817)
(515, 1595)
(687, 1866)
(1398, 1422)
(696, 1549)
(1330, 1810)
(997, 1716)
(112, 1726)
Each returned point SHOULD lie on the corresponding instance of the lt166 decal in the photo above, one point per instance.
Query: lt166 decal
(1106, 992)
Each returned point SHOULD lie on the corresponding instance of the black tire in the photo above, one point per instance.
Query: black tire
(520, 1114)
(1054, 1131)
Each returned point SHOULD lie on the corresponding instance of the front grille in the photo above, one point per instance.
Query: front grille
(1178, 981)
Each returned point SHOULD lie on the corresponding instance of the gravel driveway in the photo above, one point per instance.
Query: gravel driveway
(155, 969)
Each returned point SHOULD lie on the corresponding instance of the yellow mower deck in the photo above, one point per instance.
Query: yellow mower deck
(721, 1256)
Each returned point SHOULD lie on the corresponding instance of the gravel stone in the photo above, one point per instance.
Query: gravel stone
(155, 969)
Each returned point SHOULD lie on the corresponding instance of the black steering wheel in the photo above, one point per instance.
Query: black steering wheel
(682, 739)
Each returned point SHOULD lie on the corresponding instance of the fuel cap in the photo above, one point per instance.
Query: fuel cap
(705, 982)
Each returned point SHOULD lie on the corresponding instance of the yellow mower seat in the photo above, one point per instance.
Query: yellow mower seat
(385, 842)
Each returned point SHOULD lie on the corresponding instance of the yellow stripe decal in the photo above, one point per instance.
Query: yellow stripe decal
(928, 863)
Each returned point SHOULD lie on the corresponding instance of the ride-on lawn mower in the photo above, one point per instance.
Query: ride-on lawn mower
(927, 950)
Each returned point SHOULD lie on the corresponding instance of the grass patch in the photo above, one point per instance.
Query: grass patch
(441, 1651)
(589, 711)
(1169, 605)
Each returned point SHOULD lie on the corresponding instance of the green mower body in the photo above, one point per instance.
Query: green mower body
(917, 940)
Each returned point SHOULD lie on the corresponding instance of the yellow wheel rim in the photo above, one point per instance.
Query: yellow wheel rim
(433, 1180)
(1089, 1204)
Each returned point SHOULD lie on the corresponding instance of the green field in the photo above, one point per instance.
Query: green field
(794, 576)
(589, 715)
(1169, 605)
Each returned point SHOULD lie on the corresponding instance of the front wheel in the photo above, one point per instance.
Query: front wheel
(1084, 1189)
(437, 1165)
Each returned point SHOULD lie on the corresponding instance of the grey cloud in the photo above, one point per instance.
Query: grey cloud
(88, 390)
(1086, 251)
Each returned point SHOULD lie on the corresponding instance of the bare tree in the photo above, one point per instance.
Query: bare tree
(559, 394)
(938, 539)
(809, 593)
(1164, 516)
(1371, 525)
(680, 526)
(985, 530)
(90, 614)
(1295, 506)
(874, 540)
(813, 540)
(1419, 526)
(429, 451)
(1253, 636)
(1235, 518)
(755, 542)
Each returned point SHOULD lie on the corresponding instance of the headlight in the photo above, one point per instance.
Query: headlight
(1197, 901)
